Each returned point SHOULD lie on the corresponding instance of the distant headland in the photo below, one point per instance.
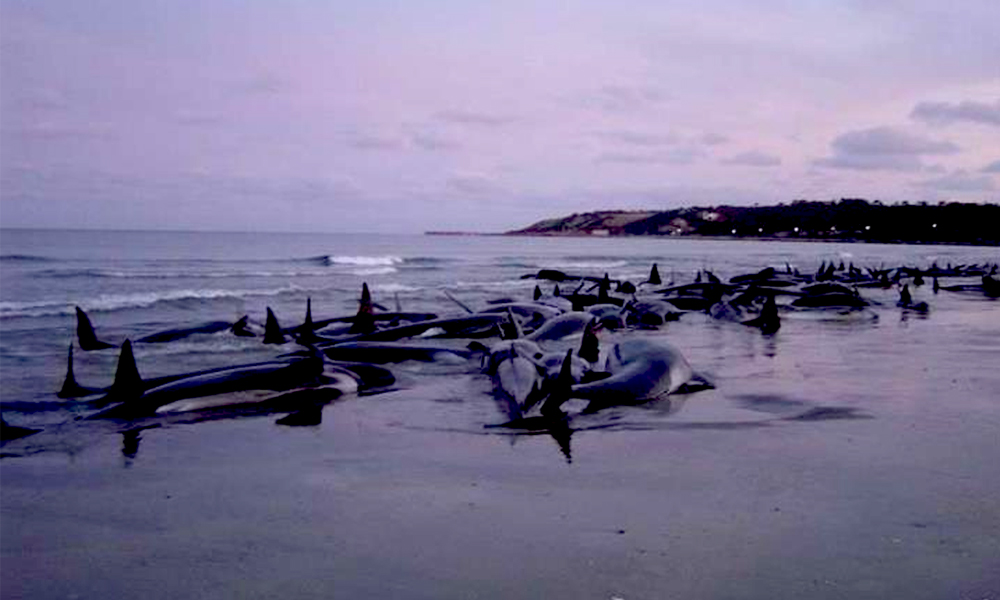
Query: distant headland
(846, 220)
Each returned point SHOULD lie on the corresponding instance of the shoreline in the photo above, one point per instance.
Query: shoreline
(730, 238)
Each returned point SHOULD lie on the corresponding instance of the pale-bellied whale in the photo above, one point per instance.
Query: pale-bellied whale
(562, 326)
(392, 352)
(518, 379)
(639, 370)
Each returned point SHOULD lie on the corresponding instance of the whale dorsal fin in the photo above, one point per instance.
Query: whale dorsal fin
(654, 275)
(770, 321)
(70, 388)
(603, 288)
(366, 295)
(589, 344)
(127, 378)
(306, 331)
(364, 321)
(561, 388)
(85, 333)
(904, 295)
(272, 331)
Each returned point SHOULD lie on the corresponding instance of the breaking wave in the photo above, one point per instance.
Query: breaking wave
(24, 258)
(160, 274)
(113, 302)
(386, 260)
(364, 261)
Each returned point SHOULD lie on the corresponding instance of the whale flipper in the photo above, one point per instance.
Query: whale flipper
(85, 333)
(12, 432)
(241, 328)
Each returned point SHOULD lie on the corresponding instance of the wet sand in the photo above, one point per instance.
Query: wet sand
(834, 460)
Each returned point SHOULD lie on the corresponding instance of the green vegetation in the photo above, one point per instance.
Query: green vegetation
(846, 220)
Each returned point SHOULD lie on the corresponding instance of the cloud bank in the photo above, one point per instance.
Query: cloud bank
(383, 116)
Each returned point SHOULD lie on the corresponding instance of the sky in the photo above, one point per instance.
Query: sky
(403, 117)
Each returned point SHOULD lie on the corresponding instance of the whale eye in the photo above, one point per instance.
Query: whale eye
(538, 355)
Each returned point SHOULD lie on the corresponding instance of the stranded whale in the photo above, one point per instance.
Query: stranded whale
(638, 370)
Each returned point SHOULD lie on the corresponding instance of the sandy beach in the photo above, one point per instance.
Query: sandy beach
(833, 465)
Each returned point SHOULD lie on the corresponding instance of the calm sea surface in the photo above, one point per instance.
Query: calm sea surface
(884, 421)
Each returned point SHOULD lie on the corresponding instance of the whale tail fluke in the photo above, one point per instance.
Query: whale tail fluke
(85, 334)
(272, 330)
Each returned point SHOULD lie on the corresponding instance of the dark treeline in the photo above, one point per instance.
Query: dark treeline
(845, 220)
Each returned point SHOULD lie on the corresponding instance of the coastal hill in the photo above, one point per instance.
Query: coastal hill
(845, 220)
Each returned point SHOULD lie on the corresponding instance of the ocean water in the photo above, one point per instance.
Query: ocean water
(134, 284)
(844, 456)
